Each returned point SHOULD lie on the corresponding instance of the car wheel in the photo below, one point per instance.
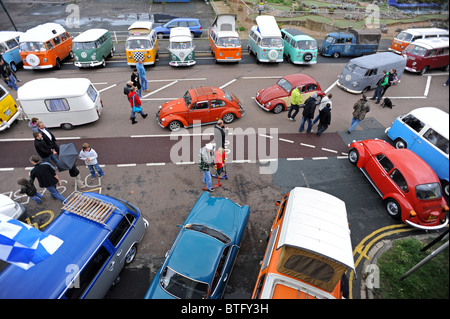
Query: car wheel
(367, 88)
(66, 126)
(393, 208)
(278, 108)
(353, 156)
(336, 55)
(399, 143)
(57, 64)
(175, 126)
(425, 69)
(445, 187)
(103, 62)
(228, 118)
(13, 66)
(131, 255)
(111, 54)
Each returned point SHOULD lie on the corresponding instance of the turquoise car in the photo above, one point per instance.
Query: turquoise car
(199, 264)
(299, 48)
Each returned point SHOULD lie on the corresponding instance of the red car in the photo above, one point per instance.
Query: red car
(409, 186)
(201, 105)
(277, 97)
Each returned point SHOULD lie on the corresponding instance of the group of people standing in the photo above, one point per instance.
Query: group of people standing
(8, 75)
(133, 90)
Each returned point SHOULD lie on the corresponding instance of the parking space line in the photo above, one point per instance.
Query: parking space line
(126, 165)
(228, 83)
(155, 164)
(107, 88)
(284, 140)
(294, 159)
(161, 88)
(307, 145)
(328, 150)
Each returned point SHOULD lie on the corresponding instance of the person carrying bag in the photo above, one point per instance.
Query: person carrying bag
(135, 103)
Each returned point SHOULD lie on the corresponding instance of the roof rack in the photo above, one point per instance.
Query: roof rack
(89, 207)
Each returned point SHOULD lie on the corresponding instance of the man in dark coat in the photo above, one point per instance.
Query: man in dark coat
(46, 177)
(48, 136)
(44, 150)
(324, 119)
(308, 112)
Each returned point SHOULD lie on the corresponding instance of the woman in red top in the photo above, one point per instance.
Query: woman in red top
(135, 104)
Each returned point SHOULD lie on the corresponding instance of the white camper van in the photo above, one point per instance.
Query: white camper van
(61, 102)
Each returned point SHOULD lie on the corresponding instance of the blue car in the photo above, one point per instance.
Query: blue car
(199, 263)
(191, 23)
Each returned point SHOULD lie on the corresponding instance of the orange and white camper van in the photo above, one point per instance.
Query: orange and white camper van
(224, 40)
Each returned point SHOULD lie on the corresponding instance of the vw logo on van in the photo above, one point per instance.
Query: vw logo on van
(273, 54)
(348, 77)
(33, 60)
(83, 55)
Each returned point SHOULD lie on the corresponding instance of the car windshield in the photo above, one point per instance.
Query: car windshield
(182, 287)
(415, 50)
(209, 231)
(307, 45)
(187, 98)
(285, 84)
(272, 42)
(229, 42)
(352, 67)
(32, 46)
(84, 45)
(134, 44)
(428, 191)
(404, 36)
(330, 39)
(180, 45)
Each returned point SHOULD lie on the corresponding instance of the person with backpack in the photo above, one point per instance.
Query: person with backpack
(360, 109)
(27, 187)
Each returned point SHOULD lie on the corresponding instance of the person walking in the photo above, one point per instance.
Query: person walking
(27, 187)
(392, 79)
(44, 150)
(48, 136)
(127, 89)
(360, 109)
(324, 119)
(89, 156)
(136, 81)
(136, 106)
(6, 74)
(326, 100)
(33, 125)
(142, 74)
(296, 100)
(206, 161)
(308, 113)
(220, 132)
(46, 177)
(382, 82)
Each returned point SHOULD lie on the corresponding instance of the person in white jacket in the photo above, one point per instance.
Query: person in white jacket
(89, 156)
(326, 100)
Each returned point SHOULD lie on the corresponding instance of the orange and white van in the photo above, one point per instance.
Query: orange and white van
(224, 40)
(309, 249)
(404, 38)
(45, 46)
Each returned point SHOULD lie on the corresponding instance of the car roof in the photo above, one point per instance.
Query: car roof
(46, 88)
(90, 35)
(297, 34)
(82, 236)
(426, 31)
(378, 60)
(317, 222)
(432, 43)
(145, 25)
(180, 34)
(299, 78)
(8, 35)
(42, 32)
(436, 118)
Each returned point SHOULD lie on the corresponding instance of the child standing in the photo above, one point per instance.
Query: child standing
(28, 188)
(89, 156)
(220, 161)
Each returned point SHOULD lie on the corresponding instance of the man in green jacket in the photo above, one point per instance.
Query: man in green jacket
(296, 100)
(380, 87)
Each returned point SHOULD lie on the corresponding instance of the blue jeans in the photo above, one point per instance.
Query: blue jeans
(355, 123)
(207, 179)
(51, 158)
(55, 193)
(144, 83)
(98, 168)
(302, 124)
(12, 83)
(377, 94)
(37, 197)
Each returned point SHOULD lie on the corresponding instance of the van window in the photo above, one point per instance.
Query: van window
(415, 50)
(307, 45)
(443, 51)
(330, 39)
(57, 40)
(404, 36)
(49, 45)
(83, 45)
(431, 53)
(136, 44)
(32, 46)
(437, 140)
(413, 122)
(57, 105)
(272, 42)
(352, 67)
(88, 274)
(64, 36)
(2, 48)
(92, 93)
(11, 44)
(121, 229)
(340, 40)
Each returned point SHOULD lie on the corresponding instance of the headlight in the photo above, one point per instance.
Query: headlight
(44, 59)
(257, 94)
(163, 120)
(414, 63)
(237, 53)
(93, 57)
(268, 104)
(221, 53)
(76, 57)
(148, 56)
(355, 84)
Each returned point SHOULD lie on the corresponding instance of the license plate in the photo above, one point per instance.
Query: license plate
(8, 112)
(229, 57)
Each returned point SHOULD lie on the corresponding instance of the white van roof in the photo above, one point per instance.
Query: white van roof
(433, 43)
(90, 35)
(317, 222)
(426, 31)
(435, 118)
(42, 33)
(146, 25)
(53, 88)
(267, 26)
(8, 35)
(180, 34)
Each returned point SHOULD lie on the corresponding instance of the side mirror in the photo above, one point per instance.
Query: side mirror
(277, 203)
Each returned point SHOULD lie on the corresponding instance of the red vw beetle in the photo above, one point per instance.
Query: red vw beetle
(277, 97)
(409, 186)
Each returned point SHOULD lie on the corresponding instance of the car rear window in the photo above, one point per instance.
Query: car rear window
(182, 287)
(209, 231)
(428, 191)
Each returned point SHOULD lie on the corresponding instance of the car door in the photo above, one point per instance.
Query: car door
(199, 111)
(217, 108)
(223, 271)
(378, 168)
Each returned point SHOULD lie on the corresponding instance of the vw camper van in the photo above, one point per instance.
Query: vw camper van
(92, 47)
(181, 48)
(404, 38)
(299, 47)
(9, 110)
(426, 54)
(61, 102)
(265, 40)
(224, 40)
(425, 131)
(45, 46)
(142, 43)
(9, 48)
(100, 236)
(362, 74)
